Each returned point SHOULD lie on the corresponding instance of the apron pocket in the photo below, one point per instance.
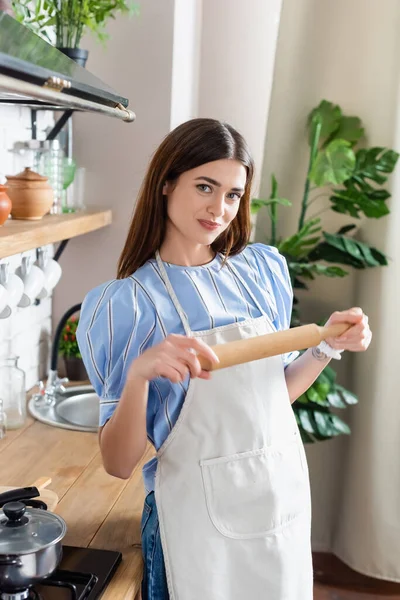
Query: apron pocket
(256, 493)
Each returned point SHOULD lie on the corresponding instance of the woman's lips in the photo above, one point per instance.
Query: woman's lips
(209, 225)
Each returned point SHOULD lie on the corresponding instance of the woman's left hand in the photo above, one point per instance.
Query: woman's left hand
(355, 339)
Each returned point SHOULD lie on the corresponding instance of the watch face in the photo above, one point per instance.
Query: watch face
(318, 354)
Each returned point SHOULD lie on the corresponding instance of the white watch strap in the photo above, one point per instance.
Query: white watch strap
(329, 351)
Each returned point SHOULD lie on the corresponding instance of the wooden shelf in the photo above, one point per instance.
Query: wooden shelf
(18, 236)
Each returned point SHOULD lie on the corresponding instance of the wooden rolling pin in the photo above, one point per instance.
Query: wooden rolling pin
(271, 344)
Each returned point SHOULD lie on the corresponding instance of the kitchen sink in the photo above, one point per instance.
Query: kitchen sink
(77, 408)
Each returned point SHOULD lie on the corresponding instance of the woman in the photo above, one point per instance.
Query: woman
(227, 512)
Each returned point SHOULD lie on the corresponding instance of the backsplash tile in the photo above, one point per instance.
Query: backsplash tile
(27, 333)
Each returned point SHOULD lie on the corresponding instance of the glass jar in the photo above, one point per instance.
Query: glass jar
(29, 154)
(52, 166)
(12, 392)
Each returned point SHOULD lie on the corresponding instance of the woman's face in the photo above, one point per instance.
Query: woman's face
(202, 202)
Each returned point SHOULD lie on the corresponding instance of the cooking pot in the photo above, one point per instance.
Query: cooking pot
(30, 545)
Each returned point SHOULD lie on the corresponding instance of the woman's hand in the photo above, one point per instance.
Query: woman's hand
(173, 358)
(355, 339)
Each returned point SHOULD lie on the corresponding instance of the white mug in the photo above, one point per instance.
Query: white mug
(14, 286)
(5, 310)
(33, 279)
(52, 273)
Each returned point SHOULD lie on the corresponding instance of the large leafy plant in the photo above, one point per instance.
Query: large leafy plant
(347, 178)
(67, 20)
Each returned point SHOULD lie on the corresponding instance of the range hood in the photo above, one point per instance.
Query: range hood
(33, 73)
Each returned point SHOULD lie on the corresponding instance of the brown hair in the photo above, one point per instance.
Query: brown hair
(190, 145)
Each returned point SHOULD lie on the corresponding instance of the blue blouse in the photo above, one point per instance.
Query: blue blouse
(120, 319)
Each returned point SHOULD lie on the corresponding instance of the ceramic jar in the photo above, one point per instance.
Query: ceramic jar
(5, 205)
(30, 194)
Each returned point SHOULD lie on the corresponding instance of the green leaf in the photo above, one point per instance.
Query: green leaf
(324, 424)
(330, 374)
(339, 426)
(310, 270)
(330, 116)
(352, 201)
(302, 399)
(298, 245)
(314, 395)
(348, 396)
(335, 400)
(346, 229)
(372, 162)
(258, 203)
(334, 164)
(305, 437)
(306, 420)
(72, 17)
(350, 129)
(344, 250)
(323, 385)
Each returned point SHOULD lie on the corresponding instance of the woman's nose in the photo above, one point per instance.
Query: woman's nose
(217, 206)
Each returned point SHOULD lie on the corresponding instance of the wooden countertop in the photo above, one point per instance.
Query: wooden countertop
(100, 511)
(18, 236)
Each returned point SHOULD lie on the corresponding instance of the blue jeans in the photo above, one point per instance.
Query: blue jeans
(154, 584)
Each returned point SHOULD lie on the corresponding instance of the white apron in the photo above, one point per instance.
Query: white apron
(232, 485)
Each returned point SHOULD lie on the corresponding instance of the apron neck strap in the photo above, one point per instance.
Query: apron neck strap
(172, 294)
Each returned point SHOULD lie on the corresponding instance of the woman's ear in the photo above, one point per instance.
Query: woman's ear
(166, 188)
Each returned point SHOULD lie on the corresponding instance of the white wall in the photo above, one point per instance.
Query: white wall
(237, 60)
(27, 332)
(345, 52)
(186, 60)
(137, 63)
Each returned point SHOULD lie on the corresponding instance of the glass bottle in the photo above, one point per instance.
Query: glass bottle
(52, 166)
(12, 392)
(3, 421)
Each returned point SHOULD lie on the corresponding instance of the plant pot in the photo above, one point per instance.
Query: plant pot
(78, 55)
(5, 205)
(75, 369)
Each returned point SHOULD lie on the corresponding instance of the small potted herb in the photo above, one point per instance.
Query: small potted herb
(69, 349)
(63, 23)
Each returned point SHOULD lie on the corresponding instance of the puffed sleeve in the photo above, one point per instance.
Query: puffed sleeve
(273, 268)
(116, 325)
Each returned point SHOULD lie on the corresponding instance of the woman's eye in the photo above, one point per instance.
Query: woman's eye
(234, 196)
(203, 187)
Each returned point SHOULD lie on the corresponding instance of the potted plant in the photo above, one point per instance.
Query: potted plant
(68, 348)
(347, 178)
(63, 23)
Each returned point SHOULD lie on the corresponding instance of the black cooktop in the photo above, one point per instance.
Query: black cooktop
(83, 574)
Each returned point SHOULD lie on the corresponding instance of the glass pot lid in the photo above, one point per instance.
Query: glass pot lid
(25, 530)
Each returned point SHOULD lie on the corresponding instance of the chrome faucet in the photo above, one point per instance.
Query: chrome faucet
(54, 385)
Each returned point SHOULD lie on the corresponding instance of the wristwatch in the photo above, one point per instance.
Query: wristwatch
(324, 351)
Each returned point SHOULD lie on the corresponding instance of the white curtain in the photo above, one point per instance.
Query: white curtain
(367, 533)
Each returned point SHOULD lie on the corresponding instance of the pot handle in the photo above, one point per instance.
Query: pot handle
(10, 561)
(19, 494)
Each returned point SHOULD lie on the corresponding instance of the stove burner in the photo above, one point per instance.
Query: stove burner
(83, 575)
(79, 586)
(21, 595)
(71, 581)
